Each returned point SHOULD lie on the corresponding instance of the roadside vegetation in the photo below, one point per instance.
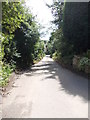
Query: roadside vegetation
(69, 42)
(20, 40)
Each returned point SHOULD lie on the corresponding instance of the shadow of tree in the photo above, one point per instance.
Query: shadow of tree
(71, 83)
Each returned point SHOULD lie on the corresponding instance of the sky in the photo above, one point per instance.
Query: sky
(44, 15)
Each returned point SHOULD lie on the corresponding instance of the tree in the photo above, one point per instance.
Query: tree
(20, 35)
(57, 11)
(25, 38)
(12, 15)
(71, 34)
(75, 26)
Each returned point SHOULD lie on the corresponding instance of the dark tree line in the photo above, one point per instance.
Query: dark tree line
(71, 34)
(75, 26)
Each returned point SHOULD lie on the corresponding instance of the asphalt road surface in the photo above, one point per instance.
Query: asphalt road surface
(0, 106)
(47, 91)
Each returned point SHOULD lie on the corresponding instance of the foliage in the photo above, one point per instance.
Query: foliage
(57, 11)
(5, 73)
(75, 26)
(12, 15)
(27, 42)
(38, 50)
(71, 34)
(19, 39)
(5, 69)
(51, 44)
(54, 56)
(84, 61)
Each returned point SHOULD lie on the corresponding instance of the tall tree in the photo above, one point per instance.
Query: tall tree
(75, 25)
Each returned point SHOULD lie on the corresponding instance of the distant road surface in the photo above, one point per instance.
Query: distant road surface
(47, 91)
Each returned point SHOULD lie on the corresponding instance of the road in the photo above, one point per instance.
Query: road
(0, 106)
(47, 91)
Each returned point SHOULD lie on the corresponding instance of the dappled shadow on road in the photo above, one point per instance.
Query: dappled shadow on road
(70, 82)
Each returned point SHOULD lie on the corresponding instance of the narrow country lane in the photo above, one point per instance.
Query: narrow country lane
(47, 91)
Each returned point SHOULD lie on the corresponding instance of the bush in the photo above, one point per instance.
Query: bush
(84, 61)
(54, 56)
(5, 73)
